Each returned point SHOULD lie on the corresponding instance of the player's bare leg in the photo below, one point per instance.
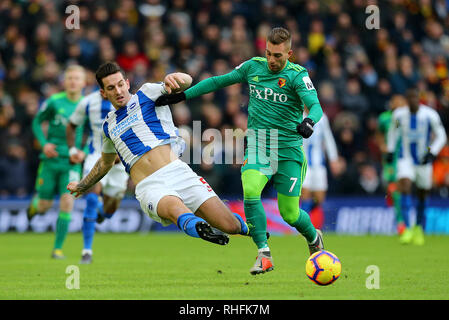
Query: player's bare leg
(38, 206)
(44, 205)
(110, 204)
(214, 211)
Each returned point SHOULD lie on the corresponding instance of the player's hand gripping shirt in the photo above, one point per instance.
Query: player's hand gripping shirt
(415, 133)
(138, 127)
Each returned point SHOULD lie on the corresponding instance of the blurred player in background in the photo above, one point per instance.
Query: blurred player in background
(314, 187)
(94, 109)
(147, 142)
(278, 91)
(389, 169)
(55, 170)
(421, 135)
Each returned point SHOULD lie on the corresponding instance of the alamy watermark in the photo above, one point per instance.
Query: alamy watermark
(373, 20)
(73, 20)
(213, 146)
(373, 280)
(73, 280)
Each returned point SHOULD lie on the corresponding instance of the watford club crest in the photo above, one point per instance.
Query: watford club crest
(281, 82)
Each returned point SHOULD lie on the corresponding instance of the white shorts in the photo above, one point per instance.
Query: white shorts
(114, 183)
(316, 179)
(175, 179)
(421, 175)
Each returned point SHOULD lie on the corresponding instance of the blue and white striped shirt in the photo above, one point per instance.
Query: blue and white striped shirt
(415, 133)
(320, 143)
(138, 127)
(95, 109)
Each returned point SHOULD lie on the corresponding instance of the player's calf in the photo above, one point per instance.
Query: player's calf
(215, 212)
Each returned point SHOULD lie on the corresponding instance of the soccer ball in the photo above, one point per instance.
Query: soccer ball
(323, 268)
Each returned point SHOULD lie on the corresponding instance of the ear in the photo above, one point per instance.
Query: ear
(103, 94)
(289, 53)
(127, 84)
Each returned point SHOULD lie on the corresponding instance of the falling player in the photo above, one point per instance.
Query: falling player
(55, 170)
(94, 109)
(414, 125)
(278, 91)
(146, 141)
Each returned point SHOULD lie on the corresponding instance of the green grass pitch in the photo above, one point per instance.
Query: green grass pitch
(173, 266)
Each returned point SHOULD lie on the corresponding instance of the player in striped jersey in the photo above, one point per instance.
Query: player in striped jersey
(316, 148)
(414, 125)
(147, 143)
(93, 109)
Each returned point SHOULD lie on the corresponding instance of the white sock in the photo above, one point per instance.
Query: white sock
(89, 251)
(266, 249)
(315, 239)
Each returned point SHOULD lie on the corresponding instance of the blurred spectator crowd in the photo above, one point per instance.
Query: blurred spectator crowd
(356, 70)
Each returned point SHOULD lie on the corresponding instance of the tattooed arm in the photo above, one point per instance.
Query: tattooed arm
(101, 167)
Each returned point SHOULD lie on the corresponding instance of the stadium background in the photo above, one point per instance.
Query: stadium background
(355, 70)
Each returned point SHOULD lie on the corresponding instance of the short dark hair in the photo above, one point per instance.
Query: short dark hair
(279, 35)
(105, 70)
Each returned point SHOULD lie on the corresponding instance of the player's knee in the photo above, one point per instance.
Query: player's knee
(290, 217)
(289, 214)
(44, 205)
(171, 207)
(288, 208)
(251, 191)
(66, 202)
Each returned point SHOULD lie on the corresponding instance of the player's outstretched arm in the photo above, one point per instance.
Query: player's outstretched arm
(205, 86)
(101, 167)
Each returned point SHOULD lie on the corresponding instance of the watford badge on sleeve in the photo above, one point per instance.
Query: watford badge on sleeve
(281, 82)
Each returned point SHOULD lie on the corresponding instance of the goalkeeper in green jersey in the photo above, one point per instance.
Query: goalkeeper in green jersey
(278, 91)
(389, 169)
(55, 171)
